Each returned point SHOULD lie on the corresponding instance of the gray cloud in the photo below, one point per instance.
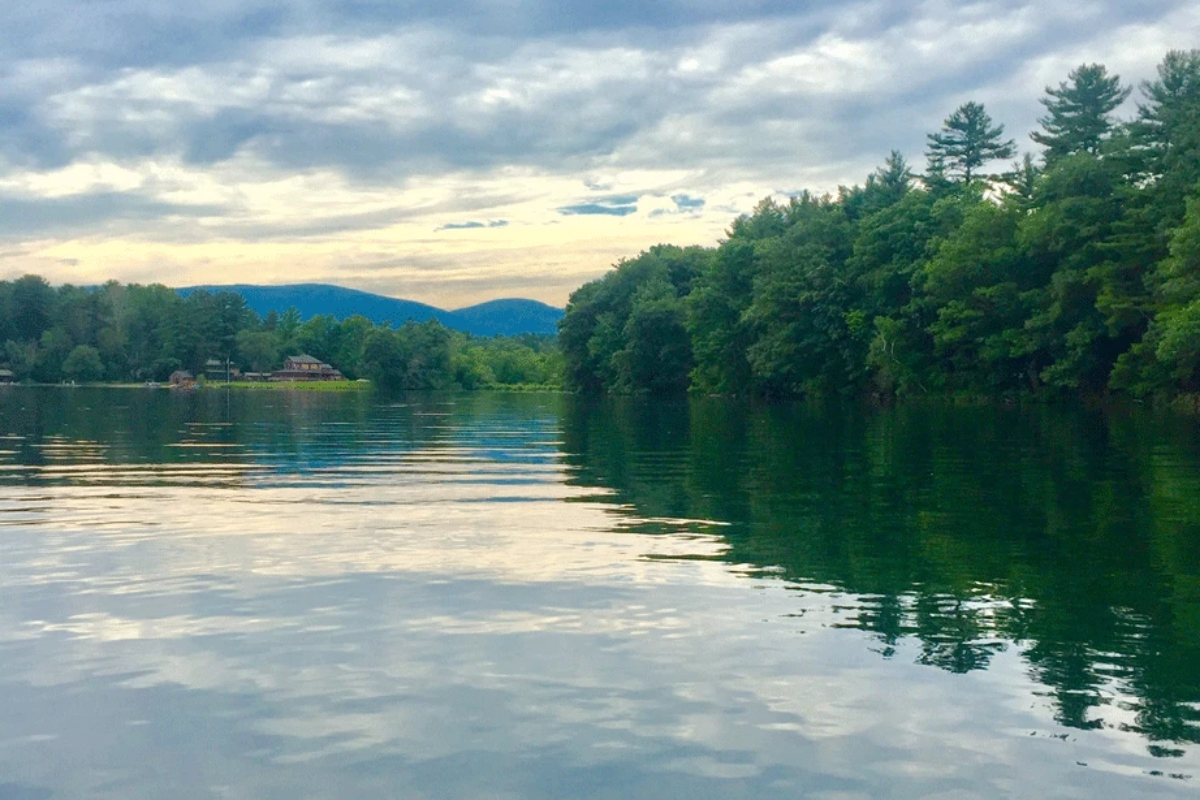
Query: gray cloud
(685, 202)
(621, 205)
(748, 93)
(21, 216)
(598, 209)
(473, 224)
(138, 32)
(384, 90)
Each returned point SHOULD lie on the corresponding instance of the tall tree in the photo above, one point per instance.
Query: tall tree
(1079, 112)
(894, 177)
(1167, 134)
(967, 141)
(32, 307)
(885, 186)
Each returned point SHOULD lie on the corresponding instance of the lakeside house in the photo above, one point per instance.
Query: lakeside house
(182, 379)
(6, 376)
(306, 368)
(217, 370)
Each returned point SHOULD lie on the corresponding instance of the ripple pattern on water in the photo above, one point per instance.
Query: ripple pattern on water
(231, 595)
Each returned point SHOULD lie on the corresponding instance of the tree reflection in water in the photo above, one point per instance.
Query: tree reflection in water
(1073, 536)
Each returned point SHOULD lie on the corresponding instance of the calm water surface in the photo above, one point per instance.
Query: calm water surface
(269, 595)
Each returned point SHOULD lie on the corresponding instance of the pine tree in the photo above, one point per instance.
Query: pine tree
(1167, 131)
(1023, 177)
(1079, 112)
(967, 141)
(894, 177)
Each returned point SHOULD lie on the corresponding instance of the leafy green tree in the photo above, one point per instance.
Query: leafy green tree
(976, 285)
(416, 356)
(287, 325)
(1064, 245)
(53, 348)
(346, 350)
(315, 336)
(258, 349)
(721, 335)
(1167, 360)
(150, 318)
(657, 356)
(967, 142)
(471, 370)
(808, 333)
(575, 332)
(33, 309)
(594, 332)
(767, 221)
(1177, 326)
(1079, 112)
(83, 364)
(722, 295)
(428, 348)
(891, 248)
(21, 358)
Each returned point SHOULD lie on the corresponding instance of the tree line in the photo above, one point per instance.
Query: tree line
(131, 332)
(1077, 271)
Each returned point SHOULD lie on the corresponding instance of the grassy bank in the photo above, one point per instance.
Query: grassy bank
(291, 386)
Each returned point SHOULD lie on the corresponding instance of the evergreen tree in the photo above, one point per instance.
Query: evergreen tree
(1023, 178)
(1167, 136)
(894, 177)
(968, 140)
(1079, 118)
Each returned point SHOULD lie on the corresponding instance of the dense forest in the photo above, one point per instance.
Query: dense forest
(1076, 271)
(136, 333)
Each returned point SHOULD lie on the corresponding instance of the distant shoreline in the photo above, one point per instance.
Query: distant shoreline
(283, 386)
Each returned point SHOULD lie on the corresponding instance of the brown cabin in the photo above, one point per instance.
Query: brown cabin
(306, 368)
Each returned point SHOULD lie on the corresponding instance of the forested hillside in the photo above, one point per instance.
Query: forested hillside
(1075, 271)
(505, 317)
(133, 333)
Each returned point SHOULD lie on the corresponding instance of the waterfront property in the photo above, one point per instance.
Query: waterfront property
(218, 370)
(306, 368)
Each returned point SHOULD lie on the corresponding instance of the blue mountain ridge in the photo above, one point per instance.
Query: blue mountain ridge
(508, 317)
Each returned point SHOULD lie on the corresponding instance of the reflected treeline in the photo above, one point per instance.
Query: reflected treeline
(277, 431)
(1071, 535)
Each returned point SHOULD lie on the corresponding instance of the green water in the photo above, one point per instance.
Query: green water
(298, 595)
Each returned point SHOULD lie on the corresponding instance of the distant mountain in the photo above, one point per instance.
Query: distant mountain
(507, 318)
(494, 318)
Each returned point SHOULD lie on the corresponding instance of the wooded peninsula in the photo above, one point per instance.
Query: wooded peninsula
(1077, 272)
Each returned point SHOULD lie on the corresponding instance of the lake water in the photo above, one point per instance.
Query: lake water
(297, 595)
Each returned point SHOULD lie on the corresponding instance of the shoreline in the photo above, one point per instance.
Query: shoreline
(279, 386)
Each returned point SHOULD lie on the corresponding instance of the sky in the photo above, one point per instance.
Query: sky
(456, 151)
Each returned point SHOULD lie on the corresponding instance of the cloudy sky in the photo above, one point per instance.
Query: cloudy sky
(453, 151)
